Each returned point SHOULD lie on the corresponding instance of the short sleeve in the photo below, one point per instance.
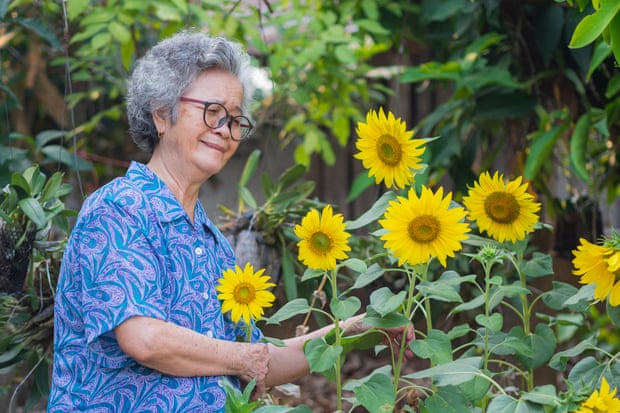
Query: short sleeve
(122, 272)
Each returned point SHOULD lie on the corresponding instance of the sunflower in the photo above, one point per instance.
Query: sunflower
(245, 293)
(387, 150)
(419, 228)
(601, 401)
(506, 211)
(323, 239)
(600, 265)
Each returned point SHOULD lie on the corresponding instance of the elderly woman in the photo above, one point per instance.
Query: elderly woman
(138, 326)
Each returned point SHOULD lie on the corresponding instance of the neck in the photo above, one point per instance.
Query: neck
(183, 189)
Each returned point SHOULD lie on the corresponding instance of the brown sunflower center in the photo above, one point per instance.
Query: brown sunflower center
(424, 228)
(389, 150)
(244, 293)
(320, 243)
(501, 207)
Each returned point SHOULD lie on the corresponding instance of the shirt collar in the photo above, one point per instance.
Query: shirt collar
(162, 200)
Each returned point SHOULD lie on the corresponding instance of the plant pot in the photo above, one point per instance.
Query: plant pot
(15, 252)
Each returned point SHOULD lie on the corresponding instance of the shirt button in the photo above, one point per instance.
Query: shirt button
(198, 251)
(209, 333)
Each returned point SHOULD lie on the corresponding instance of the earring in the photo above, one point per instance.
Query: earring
(160, 134)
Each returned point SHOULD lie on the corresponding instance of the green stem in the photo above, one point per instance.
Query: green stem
(408, 313)
(525, 308)
(338, 343)
(487, 277)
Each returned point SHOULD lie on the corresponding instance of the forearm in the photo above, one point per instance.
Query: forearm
(178, 351)
(289, 363)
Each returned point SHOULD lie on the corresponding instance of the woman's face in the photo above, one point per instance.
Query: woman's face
(190, 147)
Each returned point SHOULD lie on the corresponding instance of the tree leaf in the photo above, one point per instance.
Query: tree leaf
(592, 26)
(578, 147)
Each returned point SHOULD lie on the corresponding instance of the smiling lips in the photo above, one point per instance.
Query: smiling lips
(214, 146)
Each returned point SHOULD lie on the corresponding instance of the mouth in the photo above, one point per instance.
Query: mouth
(214, 146)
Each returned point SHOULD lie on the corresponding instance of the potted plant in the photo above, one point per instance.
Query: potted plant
(33, 230)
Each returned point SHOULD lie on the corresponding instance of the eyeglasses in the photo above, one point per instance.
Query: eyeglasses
(215, 116)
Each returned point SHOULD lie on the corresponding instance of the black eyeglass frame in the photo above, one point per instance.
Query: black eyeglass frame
(228, 119)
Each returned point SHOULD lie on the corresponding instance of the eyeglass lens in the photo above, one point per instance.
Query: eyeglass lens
(216, 115)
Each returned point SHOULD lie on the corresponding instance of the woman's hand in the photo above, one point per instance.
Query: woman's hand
(400, 336)
(257, 359)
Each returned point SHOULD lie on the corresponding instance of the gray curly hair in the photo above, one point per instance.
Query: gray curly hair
(165, 72)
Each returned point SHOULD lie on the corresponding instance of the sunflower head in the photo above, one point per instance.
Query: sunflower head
(421, 227)
(323, 239)
(599, 264)
(603, 400)
(387, 149)
(245, 293)
(506, 211)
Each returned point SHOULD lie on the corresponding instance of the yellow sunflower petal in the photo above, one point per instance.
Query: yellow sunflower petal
(424, 227)
(323, 239)
(506, 211)
(387, 149)
(244, 293)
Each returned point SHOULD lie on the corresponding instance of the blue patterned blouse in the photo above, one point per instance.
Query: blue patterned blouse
(134, 252)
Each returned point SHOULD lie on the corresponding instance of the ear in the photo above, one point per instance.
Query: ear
(159, 120)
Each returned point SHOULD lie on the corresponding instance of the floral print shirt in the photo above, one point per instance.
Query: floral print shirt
(134, 252)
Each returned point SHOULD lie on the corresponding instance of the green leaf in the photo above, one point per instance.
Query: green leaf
(46, 136)
(477, 388)
(119, 32)
(288, 310)
(561, 358)
(356, 265)
(376, 393)
(246, 196)
(579, 147)
(587, 372)
(373, 272)
(541, 345)
(34, 211)
(614, 313)
(614, 36)
(452, 373)
(60, 154)
(374, 213)
(343, 309)
(361, 183)
(540, 150)
(559, 294)
(445, 288)
(446, 400)
(372, 26)
(600, 53)
(391, 320)
(613, 86)
(291, 175)
(320, 355)
(494, 322)
(507, 404)
(435, 346)
(52, 188)
(592, 26)
(76, 7)
(545, 395)
(539, 265)
(4, 6)
(383, 301)
(249, 168)
(40, 29)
